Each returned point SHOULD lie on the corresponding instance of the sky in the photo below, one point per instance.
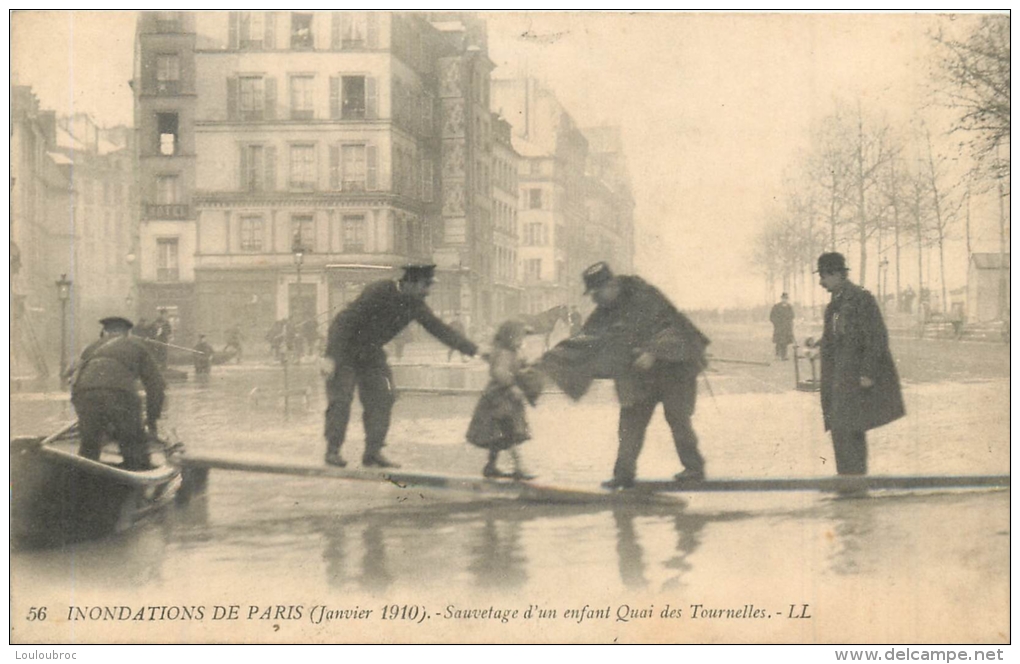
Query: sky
(714, 109)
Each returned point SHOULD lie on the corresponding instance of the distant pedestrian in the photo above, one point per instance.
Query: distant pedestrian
(499, 422)
(860, 385)
(781, 317)
(234, 341)
(203, 356)
(355, 346)
(161, 331)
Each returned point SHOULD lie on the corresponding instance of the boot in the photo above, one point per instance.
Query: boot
(491, 471)
(519, 473)
(377, 460)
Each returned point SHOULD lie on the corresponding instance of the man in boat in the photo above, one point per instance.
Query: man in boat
(355, 347)
(860, 385)
(652, 351)
(105, 398)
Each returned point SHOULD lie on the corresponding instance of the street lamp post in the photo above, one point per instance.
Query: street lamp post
(884, 264)
(64, 293)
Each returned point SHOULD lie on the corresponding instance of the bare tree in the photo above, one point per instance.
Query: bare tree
(828, 168)
(871, 148)
(945, 207)
(975, 82)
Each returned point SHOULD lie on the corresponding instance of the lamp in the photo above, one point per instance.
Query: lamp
(64, 294)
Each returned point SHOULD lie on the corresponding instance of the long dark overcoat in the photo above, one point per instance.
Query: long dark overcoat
(781, 317)
(855, 343)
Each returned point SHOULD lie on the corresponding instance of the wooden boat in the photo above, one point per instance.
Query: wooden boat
(58, 497)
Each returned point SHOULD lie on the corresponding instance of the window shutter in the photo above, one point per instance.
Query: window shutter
(270, 168)
(373, 30)
(242, 171)
(334, 167)
(372, 168)
(334, 38)
(334, 97)
(371, 102)
(232, 89)
(232, 31)
(344, 25)
(270, 38)
(270, 112)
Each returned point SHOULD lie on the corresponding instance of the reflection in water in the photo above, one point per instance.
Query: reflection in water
(497, 558)
(132, 559)
(628, 550)
(423, 545)
(853, 535)
(375, 574)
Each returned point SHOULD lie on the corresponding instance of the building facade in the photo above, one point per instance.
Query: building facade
(289, 158)
(72, 220)
(507, 288)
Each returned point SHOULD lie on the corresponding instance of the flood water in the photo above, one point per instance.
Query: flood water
(303, 558)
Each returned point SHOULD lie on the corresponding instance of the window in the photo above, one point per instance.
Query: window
(533, 269)
(251, 233)
(252, 97)
(354, 233)
(534, 199)
(168, 189)
(252, 168)
(355, 30)
(302, 167)
(301, 31)
(252, 30)
(534, 234)
(353, 107)
(168, 74)
(427, 184)
(302, 232)
(166, 127)
(353, 168)
(166, 260)
(301, 101)
(168, 21)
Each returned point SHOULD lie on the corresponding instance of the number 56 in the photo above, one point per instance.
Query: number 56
(36, 613)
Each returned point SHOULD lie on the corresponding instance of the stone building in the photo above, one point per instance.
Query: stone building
(72, 214)
(289, 158)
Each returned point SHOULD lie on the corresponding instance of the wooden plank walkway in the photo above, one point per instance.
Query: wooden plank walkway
(643, 489)
(196, 469)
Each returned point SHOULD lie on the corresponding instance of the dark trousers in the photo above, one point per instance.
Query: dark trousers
(374, 383)
(781, 351)
(678, 394)
(851, 449)
(113, 413)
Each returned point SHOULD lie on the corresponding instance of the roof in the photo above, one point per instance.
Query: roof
(526, 148)
(65, 140)
(988, 261)
(60, 159)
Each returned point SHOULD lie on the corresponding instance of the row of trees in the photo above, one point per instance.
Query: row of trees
(868, 184)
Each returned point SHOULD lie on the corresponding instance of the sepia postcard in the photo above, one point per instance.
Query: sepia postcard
(513, 235)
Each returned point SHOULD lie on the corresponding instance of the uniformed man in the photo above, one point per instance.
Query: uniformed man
(355, 346)
(654, 354)
(105, 398)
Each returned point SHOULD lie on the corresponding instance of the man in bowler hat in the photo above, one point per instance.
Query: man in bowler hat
(355, 346)
(104, 397)
(654, 354)
(860, 385)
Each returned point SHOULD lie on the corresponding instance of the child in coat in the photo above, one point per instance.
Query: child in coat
(498, 422)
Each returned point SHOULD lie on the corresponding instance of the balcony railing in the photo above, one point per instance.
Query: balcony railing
(168, 211)
(168, 274)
